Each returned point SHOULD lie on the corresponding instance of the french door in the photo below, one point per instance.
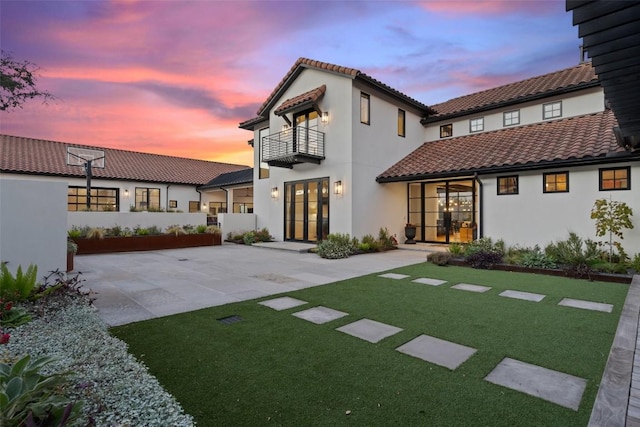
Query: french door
(306, 217)
(444, 211)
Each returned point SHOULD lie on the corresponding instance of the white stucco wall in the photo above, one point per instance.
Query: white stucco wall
(33, 224)
(533, 217)
(133, 219)
(236, 223)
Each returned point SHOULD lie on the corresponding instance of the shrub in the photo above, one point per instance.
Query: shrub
(336, 246)
(141, 231)
(574, 254)
(249, 238)
(154, 230)
(484, 259)
(201, 228)
(72, 247)
(635, 263)
(190, 229)
(74, 232)
(439, 258)
(385, 239)
(20, 287)
(364, 247)
(484, 244)
(95, 233)
(115, 231)
(176, 230)
(456, 249)
(371, 242)
(30, 398)
(535, 258)
(262, 235)
(214, 229)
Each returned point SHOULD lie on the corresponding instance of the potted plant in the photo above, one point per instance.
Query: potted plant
(72, 248)
(410, 234)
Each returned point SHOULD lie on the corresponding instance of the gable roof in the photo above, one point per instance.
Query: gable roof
(310, 97)
(562, 81)
(229, 179)
(303, 63)
(43, 157)
(575, 140)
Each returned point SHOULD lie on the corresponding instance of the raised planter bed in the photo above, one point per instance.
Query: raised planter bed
(145, 243)
(596, 276)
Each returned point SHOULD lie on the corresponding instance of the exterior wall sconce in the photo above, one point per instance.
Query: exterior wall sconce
(285, 128)
(204, 206)
(274, 193)
(325, 117)
(337, 188)
(126, 193)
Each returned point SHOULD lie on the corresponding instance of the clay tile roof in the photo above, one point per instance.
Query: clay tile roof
(565, 79)
(308, 97)
(572, 139)
(37, 156)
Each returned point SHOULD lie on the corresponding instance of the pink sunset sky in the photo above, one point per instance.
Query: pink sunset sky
(176, 77)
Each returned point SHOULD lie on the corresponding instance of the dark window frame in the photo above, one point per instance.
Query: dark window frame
(513, 123)
(96, 198)
(544, 112)
(138, 203)
(471, 124)
(173, 204)
(197, 204)
(503, 189)
(548, 174)
(365, 97)
(446, 131)
(402, 123)
(601, 187)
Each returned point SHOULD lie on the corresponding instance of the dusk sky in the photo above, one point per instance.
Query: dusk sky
(176, 77)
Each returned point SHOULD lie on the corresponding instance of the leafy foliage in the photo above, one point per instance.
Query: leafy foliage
(574, 254)
(336, 246)
(28, 397)
(20, 287)
(611, 218)
(18, 83)
(484, 259)
(439, 258)
(536, 258)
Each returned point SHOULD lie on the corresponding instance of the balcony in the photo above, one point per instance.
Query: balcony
(293, 146)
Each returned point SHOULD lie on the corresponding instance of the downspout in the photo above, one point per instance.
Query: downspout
(226, 197)
(199, 200)
(475, 177)
(166, 201)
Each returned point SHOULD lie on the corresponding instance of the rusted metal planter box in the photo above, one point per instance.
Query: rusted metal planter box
(145, 243)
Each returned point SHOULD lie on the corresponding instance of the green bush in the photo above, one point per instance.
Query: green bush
(141, 231)
(385, 240)
(201, 228)
(364, 247)
(535, 258)
(456, 248)
(176, 230)
(29, 398)
(262, 235)
(484, 244)
(20, 287)
(336, 246)
(371, 242)
(635, 263)
(439, 258)
(249, 238)
(75, 232)
(115, 231)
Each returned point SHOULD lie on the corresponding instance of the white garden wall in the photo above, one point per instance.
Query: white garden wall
(33, 224)
(133, 219)
(236, 223)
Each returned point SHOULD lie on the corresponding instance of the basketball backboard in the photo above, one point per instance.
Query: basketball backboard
(77, 156)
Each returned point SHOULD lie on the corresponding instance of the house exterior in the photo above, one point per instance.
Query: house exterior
(337, 151)
(121, 180)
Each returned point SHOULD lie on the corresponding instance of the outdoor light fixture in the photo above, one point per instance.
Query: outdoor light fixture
(325, 117)
(274, 193)
(337, 188)
(204, 206)
(126, 193)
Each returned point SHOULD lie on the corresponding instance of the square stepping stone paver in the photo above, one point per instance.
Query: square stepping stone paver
(282, 303)
(471, 288)
(527, 296)
(369, 330)
(586, 305)
(437, 351)
(553, 386)
(395, 276)
(320, 314)
(430, 282)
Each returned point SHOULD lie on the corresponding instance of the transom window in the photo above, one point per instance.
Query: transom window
(508, 185)
(446, 130)
(147, 198)
(556, 182)
(476, 125)
(511, 118)
(365, 108)
(401, 123)
(102, 199)
(552, 110)
(615, 179)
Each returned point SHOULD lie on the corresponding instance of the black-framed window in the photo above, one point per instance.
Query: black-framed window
(102, 199)
(615, 179)
(511, 118)
(216, 208)
(446, 130)
(552, 110)
(556, 182)
(147, 198)
(365, 108)
(194, 206)
(173, 204)
(239, 207)
(476, 125)
(508, 184)
(263, 172)
(402, 126)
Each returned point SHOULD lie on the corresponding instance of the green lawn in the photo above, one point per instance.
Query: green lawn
(274, 368)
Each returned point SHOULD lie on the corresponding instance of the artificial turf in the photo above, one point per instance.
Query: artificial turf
(274, 368)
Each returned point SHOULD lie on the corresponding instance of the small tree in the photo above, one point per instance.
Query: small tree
(18, 83)
(612, 217)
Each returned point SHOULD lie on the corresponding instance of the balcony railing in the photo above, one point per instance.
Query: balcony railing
(293, 146)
